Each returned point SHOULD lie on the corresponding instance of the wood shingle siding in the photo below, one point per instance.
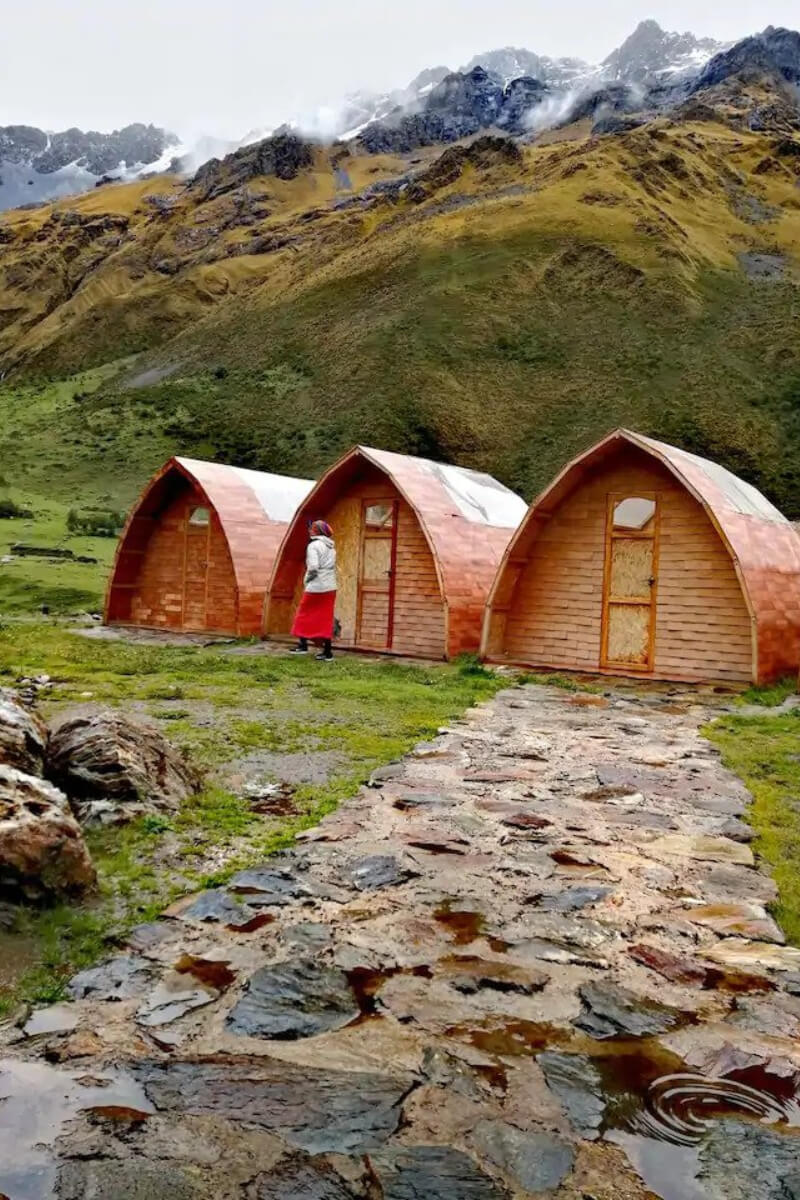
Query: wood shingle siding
(726, 587)
(172, 572)
(445, 551)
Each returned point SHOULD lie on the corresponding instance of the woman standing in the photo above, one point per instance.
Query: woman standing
(315, 614)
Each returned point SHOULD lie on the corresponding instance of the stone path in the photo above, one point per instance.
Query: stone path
(533, 959)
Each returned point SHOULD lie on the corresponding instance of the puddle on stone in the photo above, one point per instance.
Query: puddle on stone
(512, 1039)
(464, 926)
(641, 1097)
(215, 973)
(36, 1101)
(366, 983)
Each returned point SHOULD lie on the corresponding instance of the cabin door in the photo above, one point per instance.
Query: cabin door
(195, 568)
(630, 583)
(376, 574)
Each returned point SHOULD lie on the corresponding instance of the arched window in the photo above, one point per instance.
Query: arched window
(200, 516)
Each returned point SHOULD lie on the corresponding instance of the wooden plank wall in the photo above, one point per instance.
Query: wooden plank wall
(703, 628)
(418, 608)
(157, 594)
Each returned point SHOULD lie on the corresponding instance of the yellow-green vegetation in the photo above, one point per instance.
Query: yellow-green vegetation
(765, 753)
(220, 703)
(594, 283)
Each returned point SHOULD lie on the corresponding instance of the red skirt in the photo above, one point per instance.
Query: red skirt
(315, 615)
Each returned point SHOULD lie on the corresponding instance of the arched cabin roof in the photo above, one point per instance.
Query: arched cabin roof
(763, 544)
(253, 508)
(467, 518)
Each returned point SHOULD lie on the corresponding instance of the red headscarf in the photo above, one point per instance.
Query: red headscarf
(320, 529)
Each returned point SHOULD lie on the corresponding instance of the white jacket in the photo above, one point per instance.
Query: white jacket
(320, 565)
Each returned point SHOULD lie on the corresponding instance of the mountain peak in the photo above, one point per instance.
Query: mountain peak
(650, 52)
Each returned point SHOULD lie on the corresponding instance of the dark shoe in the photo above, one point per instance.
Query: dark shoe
(324, 657)
(299, 650)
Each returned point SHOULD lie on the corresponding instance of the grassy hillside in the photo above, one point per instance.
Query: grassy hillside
(504, 309)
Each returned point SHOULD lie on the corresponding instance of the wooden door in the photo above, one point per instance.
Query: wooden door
(374, 626)
(630, 583)
(195, 568)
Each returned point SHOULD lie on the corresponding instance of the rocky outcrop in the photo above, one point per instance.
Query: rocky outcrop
(114, 769)
(23, 737)
(461, 105)
(42, 852)
(283, 156)
(775, 53)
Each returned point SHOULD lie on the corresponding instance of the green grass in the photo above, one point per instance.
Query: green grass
(770, 694)
(367, 712)
(765, 753)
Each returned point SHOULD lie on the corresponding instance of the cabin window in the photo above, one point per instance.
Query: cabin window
(199, 516)
(635, 513)
(379, 516)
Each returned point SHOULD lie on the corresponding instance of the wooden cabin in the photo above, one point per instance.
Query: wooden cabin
(642, 559)
(198, 547)
(418, 544)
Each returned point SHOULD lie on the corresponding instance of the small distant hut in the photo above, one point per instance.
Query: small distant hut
(642, 559)
(418, 544)
(198, 547)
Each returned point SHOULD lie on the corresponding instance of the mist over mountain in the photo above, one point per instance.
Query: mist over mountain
(511, 88)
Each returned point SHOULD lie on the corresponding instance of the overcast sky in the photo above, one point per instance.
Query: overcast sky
(225, 66)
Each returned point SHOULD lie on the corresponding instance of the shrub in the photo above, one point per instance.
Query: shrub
(95, 522)
(10, 509)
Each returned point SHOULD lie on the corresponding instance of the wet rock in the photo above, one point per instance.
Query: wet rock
(746, 920)
(736, 952)
(428, 841)
(269, 886)
(378, 871)
(422, 801)
(741, 1161)
(119, 978)
(576, 1082)
(775, 1016)
(731, 806)
(703, 849)
(216, 907)
(58, 1018)
(42, 851)
(307, 936)
(212, 972)
(172, 998)
(302, 1178)
(148, 937)
(525, 821)
(23, 737)
(343, 1112)
(294, 999)
(537, 1162)
(611, 1011)
(107, 757)
(573, 899)
(433, 1172)
(736, 830)
(469, 974)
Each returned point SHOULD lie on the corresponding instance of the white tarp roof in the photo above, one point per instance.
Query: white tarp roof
(479, 497)
(280, 496)
(742, 497)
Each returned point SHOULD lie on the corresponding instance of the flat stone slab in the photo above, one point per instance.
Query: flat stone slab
(172, 998)
(300, 1177)
(268, 885)
(216, 907)
(702, 849)
(378, 871)
(744, 920)
(433, 1173)
(737, 952)
(469, 974)
(58, 1018)
(119, 978)
(319, 1111)
(611, 1011)
(294, 999)
(537, 1162)
(574, 899)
